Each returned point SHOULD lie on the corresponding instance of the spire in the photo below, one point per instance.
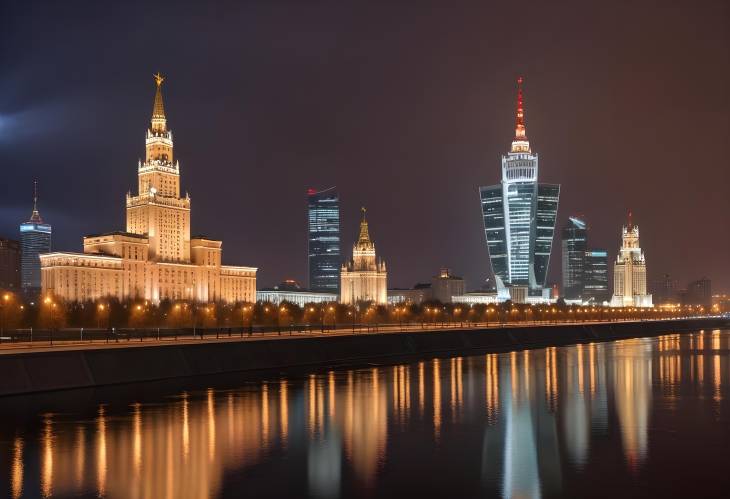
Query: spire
(630, 225)
(35, 216)
(159, 122)
(364, 233)
(520, 142)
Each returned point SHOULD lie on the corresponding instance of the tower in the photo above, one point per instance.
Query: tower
(575, 244)
(158, 210)
(629, 271)
(323, 249)
(35, 239)
(364, 278)
(519, 217)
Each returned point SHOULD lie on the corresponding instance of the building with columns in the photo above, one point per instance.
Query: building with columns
(155, 258)
(629, 271)
(364, 278)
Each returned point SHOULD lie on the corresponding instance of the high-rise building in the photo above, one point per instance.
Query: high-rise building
(595, 276)
(324, 240)
(35, 239)
(575, 245)
(364, 278)
(699, 292)
(629, 271)
(665, 290)
(445, 285)
(9, 264)
(156, 258)
(519, 218)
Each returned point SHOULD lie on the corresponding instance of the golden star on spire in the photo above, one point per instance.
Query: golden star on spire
(158, 78)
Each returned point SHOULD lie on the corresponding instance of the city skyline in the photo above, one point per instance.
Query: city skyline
(46, 131)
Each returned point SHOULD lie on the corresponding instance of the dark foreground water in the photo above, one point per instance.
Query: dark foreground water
(629, 418)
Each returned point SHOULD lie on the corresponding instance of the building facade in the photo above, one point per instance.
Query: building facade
(699, 292)
(519, 218)
(364, 278)
(445, 286)
(35, 239)
(629, 271)
(9, 264)
(574, 247)
(155, 258)
(324, 256)
(595, 276)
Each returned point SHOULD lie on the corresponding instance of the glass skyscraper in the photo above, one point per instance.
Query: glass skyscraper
(324, 240)
(575, 245)
(595, 280)
(35, 238)
(519, 217)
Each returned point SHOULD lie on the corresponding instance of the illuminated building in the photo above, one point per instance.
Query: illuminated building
(445, 286)
(9, 264)
(35, 239)
(156, 258)
(575, 244)
(364, 278)
(324, 240)
(519, 219)
(290, 291)
(629, 271)
(595, 276)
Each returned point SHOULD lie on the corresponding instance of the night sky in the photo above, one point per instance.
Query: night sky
(405, 106)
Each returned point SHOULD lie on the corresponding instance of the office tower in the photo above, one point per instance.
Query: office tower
(665, 290)
(9, 264)
(575, 245)
(595, 276)
(156, 258)
(35, 239)
(324, 240)
(699, 292)
(364, 278)
(629, 271)
(519, 219)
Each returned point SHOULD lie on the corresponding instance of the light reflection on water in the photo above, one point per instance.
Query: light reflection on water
(518, 424)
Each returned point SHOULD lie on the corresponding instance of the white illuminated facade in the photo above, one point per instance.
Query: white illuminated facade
(629, 271)
(156, 258)
(364, 278)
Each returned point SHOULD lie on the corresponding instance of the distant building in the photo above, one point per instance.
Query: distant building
(364, 278)
(519, 218)
(155, 258)
(665, 290)
(324, 240)
(699, 292)
(574, 246)
(445, 285)
(301, 298)
(595, 276)
(629, 271)
(476, 298)
(418, 294)
(9, 264)
(35, 239)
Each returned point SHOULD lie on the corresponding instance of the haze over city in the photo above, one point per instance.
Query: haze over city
(405, 108)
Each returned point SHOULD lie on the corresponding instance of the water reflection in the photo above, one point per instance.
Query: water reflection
(535, 416)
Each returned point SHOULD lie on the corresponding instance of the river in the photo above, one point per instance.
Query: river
(632, 418)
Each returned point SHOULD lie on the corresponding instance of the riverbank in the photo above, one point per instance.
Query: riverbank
(81, 366)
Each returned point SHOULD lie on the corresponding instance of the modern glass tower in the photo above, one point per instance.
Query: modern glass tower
(575, 245)
(324, 240)
(35, 238)
(519, 217)
(595, 277)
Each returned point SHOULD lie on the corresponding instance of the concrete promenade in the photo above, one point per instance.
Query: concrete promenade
(27, 368)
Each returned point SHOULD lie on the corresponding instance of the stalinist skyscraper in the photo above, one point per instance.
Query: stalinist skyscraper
(155, 259)
(629, 271)
(364, 278)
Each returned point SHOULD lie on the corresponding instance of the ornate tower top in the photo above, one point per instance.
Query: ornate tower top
(35, 216)
(364, 238)
(520, 142)
(159, 122)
